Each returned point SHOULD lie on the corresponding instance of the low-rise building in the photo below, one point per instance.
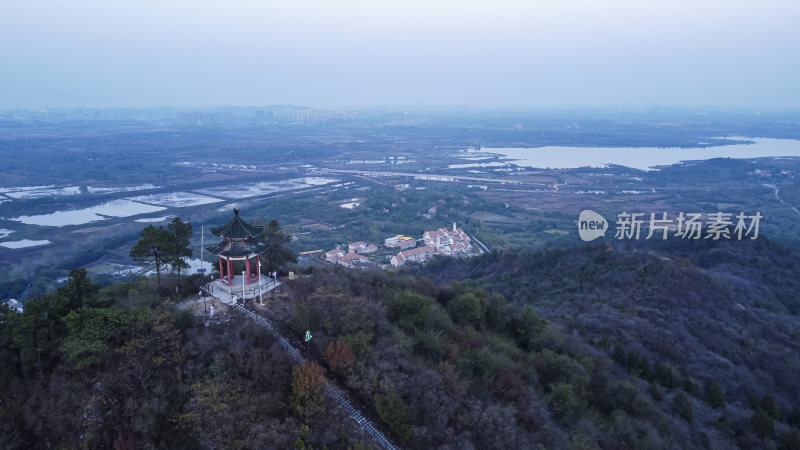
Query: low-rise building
(415, 254)
(460, 248)
(353, 260)
(357, 246)
(443, 237)
(400, 241)
(334, 255)
(362, 247)
(15, 305)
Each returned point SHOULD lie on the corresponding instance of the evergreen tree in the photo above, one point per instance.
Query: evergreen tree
(160, 247)
(683, 406)
(666, 376)
(393, 412)
(794, 417)
(633, 362)
(277, 251)
(180, 233)
(153, 248)
(762, 424)
(790, 441)
(770, 406)
(715, 397)
(689, 386)
(644, 367)
(619, 355)
(80, 290)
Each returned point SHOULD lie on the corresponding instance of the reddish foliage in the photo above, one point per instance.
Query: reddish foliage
(339, 356)
(307, 379)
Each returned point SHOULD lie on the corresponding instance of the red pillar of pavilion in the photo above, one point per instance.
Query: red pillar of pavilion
(247, 267)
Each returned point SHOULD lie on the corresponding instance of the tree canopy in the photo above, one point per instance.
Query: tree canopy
(181, 232)
(160, 247)
(277, 251)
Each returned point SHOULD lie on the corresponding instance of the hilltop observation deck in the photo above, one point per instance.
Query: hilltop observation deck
(237, 290)
(241, 242)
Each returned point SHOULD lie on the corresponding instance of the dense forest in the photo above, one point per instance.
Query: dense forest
(713, 318)
(590, 347)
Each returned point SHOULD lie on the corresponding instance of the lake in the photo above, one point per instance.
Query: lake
(644, 158)
(23, 243)
(115, 208)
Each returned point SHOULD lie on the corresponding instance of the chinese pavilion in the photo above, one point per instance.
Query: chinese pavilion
(239, 243)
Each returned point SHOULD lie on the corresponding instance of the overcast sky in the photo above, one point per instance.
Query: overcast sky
(497, 53)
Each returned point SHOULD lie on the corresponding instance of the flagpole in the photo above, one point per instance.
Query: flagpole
(202, 244)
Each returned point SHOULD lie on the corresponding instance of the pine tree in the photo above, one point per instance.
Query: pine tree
(666, 376)
(762, 424)
(689, 386)
(276, 251)
(619, 355)
(153, 248)
(715, 397)
(393, 413)
(180, 233)
(770, 406)
(790, 441)
(683, 406)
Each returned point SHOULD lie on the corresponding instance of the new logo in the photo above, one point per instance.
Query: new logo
(591, 225)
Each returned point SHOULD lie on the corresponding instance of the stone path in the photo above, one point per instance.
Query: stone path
(334, 392)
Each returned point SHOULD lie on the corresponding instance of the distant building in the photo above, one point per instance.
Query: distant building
(354, 260)
(400, 241)
(15, 306)
(334, 255)
(312, 254)
(362, 247)
(432, 210)
(357, 246)
(460, 248)
(415, 254)
(443, 237)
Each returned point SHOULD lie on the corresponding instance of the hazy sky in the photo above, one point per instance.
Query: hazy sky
(531, 53)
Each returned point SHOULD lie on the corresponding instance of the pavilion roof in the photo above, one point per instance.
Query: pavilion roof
(237, 228)
(248, 246)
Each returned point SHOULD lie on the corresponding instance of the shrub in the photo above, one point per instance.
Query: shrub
(339, 356)
(392, 412)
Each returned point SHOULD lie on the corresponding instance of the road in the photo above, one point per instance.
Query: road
(780, 199)
(421, 176)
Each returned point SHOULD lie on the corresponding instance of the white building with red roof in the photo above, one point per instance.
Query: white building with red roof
(334, 255)
(353, 259)
(400, 241)
(460, 248)
(444, 238)
(415, 254)
(357, 247)
(362, 247)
